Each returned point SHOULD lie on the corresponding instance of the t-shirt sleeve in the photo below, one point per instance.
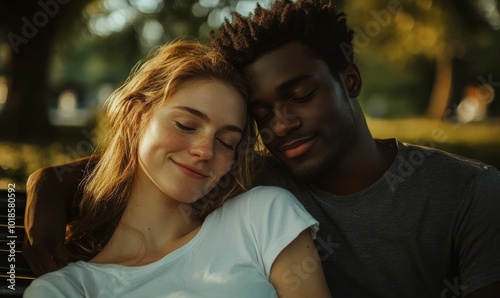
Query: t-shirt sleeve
(478, 233)
(276, 218)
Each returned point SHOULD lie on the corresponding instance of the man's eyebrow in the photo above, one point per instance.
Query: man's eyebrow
(289, 83)
(205, 117)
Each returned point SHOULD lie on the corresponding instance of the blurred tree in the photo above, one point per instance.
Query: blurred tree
(442, 32)
(117, 33)
(107, 32)
(31, 28)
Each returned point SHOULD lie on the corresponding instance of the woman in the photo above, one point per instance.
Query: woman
(155, 219)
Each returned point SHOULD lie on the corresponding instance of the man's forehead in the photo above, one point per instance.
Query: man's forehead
(293, 49)
(279, 65)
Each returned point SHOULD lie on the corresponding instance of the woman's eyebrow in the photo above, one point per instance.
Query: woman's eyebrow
(194, 112)
(205, 117)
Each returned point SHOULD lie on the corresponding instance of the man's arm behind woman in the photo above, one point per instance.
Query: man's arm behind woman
(50, 194)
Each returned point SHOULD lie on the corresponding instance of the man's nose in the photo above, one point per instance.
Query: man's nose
(283, 121)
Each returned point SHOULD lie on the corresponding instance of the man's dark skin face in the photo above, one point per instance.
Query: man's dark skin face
(304, 113)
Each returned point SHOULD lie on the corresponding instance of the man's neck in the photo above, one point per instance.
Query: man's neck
(364, 164)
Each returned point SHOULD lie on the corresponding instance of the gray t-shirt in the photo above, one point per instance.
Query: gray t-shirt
(430, 227)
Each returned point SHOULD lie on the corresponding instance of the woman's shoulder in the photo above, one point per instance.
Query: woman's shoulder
(65, 271)
(261, 205)
(57, 282)
(262, 196)
(258, 202)
(270, 191)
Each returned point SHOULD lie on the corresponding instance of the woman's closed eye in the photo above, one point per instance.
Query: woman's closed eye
(226, 145)
(184, 127)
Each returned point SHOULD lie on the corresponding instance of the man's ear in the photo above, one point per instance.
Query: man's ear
(353, 80)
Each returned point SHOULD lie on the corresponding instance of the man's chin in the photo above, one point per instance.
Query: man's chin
(312, 170)
(306, 172)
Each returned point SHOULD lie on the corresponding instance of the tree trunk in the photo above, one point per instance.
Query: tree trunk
(24, 116)
(441, 91)
(31, 30)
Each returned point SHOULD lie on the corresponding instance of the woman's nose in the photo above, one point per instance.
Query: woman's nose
(203, 148)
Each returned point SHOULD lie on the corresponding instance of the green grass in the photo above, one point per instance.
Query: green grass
(480, 141)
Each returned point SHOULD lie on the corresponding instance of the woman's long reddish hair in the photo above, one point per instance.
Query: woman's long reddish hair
(108, 187)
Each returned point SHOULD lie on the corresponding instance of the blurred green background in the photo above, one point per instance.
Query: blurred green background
(430, 69)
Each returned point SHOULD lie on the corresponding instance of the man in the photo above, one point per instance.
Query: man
(396, 220)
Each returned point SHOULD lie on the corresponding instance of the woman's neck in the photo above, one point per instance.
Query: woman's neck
(151, 227)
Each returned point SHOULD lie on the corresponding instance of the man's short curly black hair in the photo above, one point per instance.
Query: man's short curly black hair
(312, 22)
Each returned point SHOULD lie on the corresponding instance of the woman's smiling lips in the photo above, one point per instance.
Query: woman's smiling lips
(297, 147)
(190, 171)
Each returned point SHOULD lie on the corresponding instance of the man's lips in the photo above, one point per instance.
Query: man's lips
(190, 171)
(296, 147)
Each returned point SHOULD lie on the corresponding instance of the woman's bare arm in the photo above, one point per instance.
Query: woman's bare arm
(297, 271)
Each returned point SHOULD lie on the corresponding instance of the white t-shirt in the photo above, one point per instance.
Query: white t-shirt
(231, 256)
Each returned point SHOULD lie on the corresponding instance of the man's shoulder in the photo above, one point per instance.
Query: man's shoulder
(441, 160)
(418, 165)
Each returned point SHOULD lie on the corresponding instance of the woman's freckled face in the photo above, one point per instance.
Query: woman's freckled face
(190, 142)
